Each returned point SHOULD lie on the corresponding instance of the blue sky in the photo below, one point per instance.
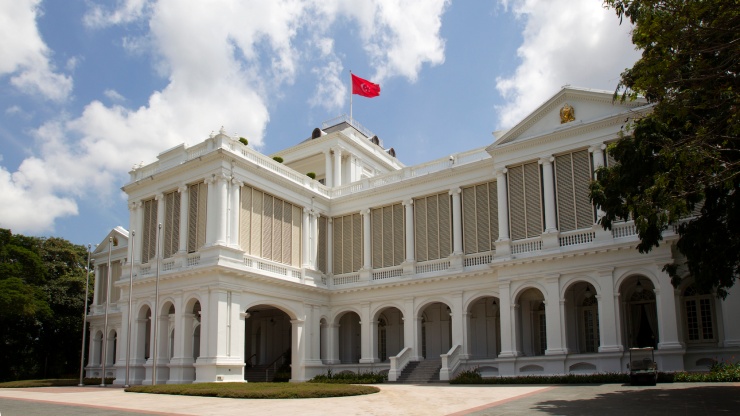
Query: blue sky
(88, 88)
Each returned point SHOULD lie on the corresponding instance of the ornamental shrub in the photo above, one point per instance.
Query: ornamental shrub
(244, 141)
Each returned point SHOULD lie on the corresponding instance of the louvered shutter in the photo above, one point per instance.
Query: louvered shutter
(533, 200)
(582, 174)
(516, 202)
(564, 193)
(193, 192)
(493, 212)
(321, 251)
(356, 242)
(337, 245)
(387, 236)
(245, 219)
(420, 229)
(445, 225)
(202, 215)
(399, 231)
(296, 236)
(376, 227)
(469, 218)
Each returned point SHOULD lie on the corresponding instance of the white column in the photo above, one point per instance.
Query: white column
(298, 350)
(598, 159)
(457, 248)
(133, 215)
(410, 254)
(211, 211)
(337, 167)
(410, 328)
(328, 178)
(368, 337)
(509, 330)
(314, 239)
(665, 302)
(330, 246)
(554, 309)
(549, 194)
(503, 205)
(184, 211)
(366, 253)
(608, 312)
(222, 198)
(458, 324)
(332, 344)
(234, 208)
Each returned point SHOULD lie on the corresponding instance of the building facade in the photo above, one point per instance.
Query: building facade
(241, 266)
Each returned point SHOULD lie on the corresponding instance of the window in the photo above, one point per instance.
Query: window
(590, 314)
(270, 227)
(572, 178)
(480, 218)
(198, 200)
(432, 227)
(149, 236)
(525, 201)
(171, 240)
(347, 243)
(699, 312)
(387, 225)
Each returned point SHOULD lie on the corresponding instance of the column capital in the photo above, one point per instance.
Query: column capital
(182, 188)
(365, 212)
(500, 172)
(546, 160)
(159, 196)
(133, 205)
(597, 148)
(237, 182)
(455, 191)
(408, 202)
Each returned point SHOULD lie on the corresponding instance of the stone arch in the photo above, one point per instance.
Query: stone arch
(638, 311)
(111, 351)
(268, 337)
(581, 306)
(348, 335)
(290, 312)
(389, 324)
(566, 283)
(434, 334)
(524, 286)
(628, 274)
(530, 319)
(483, 320)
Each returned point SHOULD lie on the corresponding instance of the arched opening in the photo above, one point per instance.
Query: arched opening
(98, 349)
(582, 317)
(532, 322)
(389, 333)
(112, 347)
(143, 333)
(196, 330)
(350, 340)
(267, 343)
(165, 341)
(639, 313)
(484, 328)
(323, 335)
(436, 330)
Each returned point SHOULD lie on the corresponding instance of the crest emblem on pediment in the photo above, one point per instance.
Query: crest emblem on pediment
(567, 114)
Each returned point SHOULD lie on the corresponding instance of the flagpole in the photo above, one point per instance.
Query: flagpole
(84, 316)
(130, 296)
(350, 96)
(104, 347)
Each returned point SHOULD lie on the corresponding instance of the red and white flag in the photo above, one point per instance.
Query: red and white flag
(364, 87)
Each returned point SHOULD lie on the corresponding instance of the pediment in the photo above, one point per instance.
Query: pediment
(570, 107)
(120, 239)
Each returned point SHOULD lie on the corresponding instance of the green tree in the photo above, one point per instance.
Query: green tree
(683, 158)
(42, 293)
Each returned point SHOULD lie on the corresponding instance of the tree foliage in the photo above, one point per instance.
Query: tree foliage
(682, 159)
(42, 295)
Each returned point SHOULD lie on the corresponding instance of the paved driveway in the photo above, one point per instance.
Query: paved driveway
(602, 400)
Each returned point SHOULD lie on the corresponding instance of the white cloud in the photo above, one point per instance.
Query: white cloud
(25, 56)
(575, 42)
(27, 211)
(114, 95)
(226, 74)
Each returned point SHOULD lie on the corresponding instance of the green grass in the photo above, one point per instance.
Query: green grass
(258, 390)
(52, 382)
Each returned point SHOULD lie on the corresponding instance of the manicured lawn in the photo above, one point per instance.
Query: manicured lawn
(51, 382)
(258, 390)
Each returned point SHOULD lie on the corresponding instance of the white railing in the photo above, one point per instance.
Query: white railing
(281, 269)
(346, 279)
(577, 237)
(450, 363)
(398, 363)
(193, 259)
(432, 266)
(168, 265)
(478, 258)
(381, 274)
(350, 120)
(624, 229)
(526, 246)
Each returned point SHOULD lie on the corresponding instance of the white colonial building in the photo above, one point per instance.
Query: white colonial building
(488, 258)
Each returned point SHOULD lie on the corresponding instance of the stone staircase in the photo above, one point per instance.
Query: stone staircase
(419, 372)
(256, 374)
